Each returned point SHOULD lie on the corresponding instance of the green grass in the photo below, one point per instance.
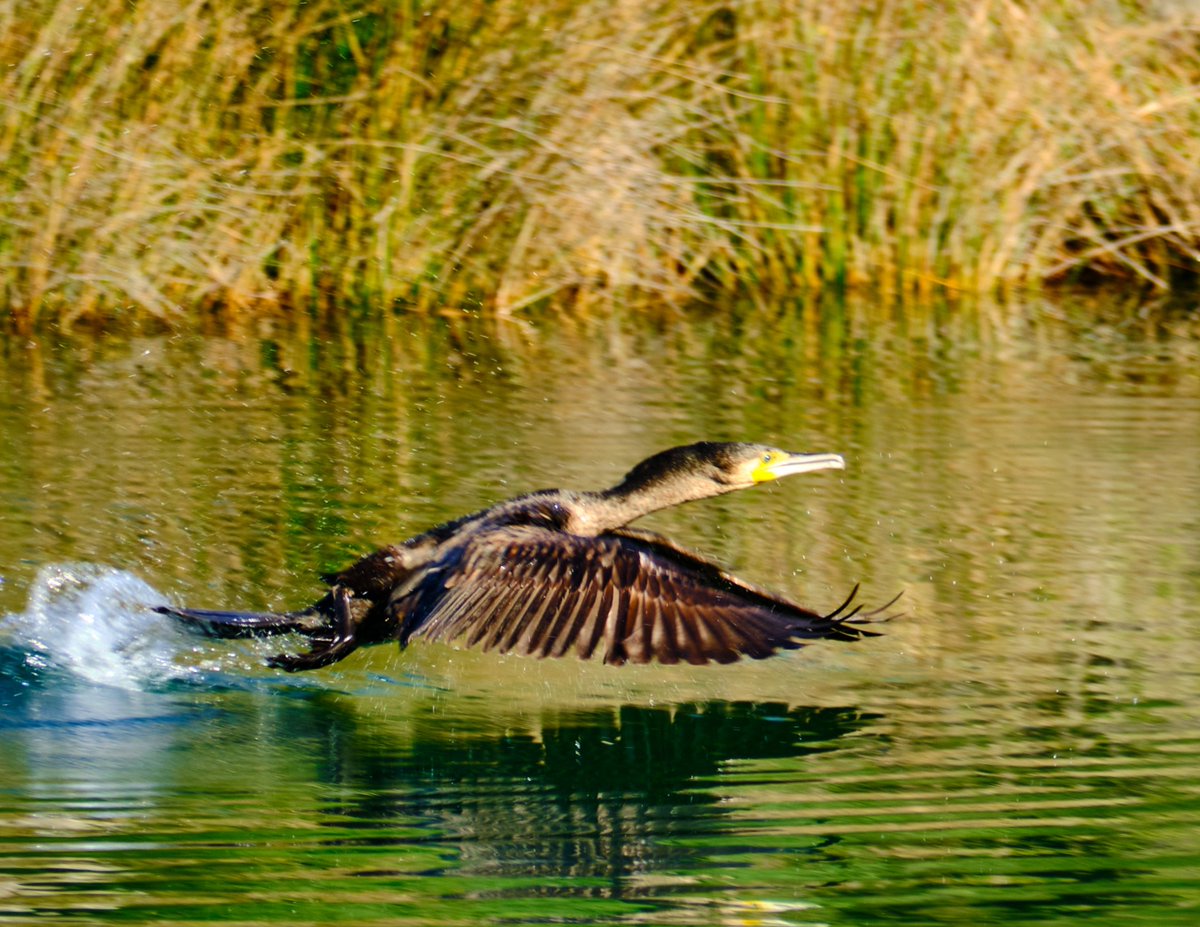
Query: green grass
(166, 159)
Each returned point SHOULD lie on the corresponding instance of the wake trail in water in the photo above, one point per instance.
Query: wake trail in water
(95, 622)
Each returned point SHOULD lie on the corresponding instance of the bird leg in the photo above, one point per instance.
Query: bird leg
(328, 647)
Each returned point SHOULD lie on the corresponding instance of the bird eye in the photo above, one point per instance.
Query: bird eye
(767, 458)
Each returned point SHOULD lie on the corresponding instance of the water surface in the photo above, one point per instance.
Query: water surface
(1022, 746)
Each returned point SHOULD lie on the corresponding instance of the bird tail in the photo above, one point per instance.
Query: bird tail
(239, 624)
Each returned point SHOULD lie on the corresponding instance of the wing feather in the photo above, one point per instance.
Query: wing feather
(597, 621)
(662, 637)
(560, 635)
(638, 631)
(686, 638)
(628, 595)
(614, 623)
(508, 620)
(529, 636)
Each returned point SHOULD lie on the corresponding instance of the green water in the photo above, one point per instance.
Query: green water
(1022, 746)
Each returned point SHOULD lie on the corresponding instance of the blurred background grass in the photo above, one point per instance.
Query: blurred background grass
(165, 158)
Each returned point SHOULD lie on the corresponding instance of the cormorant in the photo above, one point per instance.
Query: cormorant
(558, 571)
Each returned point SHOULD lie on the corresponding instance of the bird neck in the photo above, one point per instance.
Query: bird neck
(624, 503)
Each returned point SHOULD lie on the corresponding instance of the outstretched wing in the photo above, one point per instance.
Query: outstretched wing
(624, 596)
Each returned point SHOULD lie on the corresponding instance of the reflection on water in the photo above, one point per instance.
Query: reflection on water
(593, 794)
(1022, 747)
(238, 793)
(270, 806)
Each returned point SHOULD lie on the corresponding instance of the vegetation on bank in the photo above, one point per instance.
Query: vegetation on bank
(159, 157)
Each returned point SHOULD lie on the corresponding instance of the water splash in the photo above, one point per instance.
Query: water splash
(95, 622)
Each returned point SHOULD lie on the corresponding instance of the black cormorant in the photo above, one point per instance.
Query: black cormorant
(557, 571)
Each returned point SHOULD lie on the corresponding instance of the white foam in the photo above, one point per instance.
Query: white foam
(95, 622)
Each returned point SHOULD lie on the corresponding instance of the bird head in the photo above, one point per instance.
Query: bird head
(725, 467)
(743, 465)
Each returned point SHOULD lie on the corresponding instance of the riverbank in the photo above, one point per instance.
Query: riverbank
(253, 157)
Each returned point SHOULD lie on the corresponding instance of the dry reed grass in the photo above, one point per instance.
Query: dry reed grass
(162, 158)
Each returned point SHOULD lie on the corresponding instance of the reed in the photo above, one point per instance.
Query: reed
(166, 159)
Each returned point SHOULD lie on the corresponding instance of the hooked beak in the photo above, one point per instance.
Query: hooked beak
(798, 463)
